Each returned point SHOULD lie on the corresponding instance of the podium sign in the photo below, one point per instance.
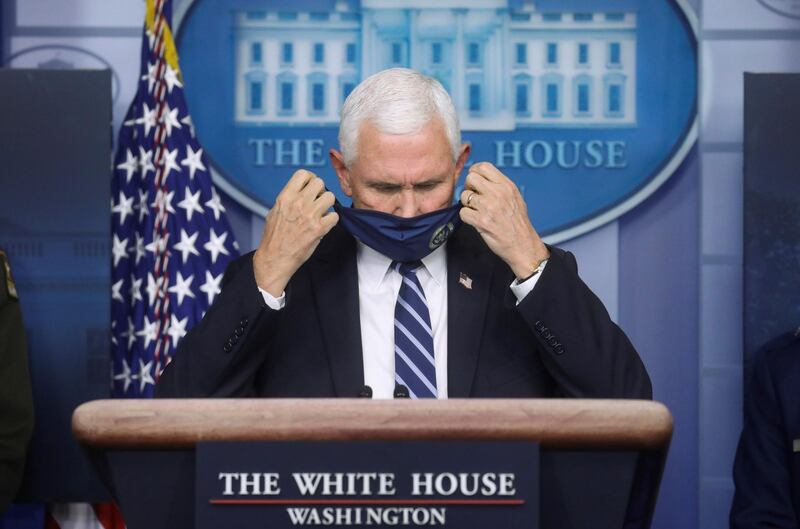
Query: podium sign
(461, 484)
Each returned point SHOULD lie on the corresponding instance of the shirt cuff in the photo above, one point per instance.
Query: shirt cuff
(273, 302)
(520, 290)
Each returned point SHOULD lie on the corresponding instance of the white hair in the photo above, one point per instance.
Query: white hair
(397, 101)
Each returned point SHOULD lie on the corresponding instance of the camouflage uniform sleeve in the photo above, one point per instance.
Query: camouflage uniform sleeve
(16, 398)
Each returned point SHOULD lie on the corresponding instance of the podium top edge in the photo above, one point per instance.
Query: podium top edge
(596, 424)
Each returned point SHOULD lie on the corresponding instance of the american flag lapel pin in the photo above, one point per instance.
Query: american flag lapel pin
(465, 280)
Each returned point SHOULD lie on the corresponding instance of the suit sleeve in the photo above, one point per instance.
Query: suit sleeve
(16, 397)
(585, 352)
(222, 354)
(761, 468)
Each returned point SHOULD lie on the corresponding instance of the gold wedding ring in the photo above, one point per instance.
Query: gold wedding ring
(470, 198)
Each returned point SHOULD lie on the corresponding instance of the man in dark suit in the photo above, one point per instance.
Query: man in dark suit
(767, 467)
(317, 312)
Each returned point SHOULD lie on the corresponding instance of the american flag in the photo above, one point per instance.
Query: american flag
(171, 240)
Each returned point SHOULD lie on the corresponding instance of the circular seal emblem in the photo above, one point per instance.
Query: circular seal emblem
(589, 106)
(788, 8)
(441, 235)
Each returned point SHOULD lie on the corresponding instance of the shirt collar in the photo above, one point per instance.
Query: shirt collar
(373, 267)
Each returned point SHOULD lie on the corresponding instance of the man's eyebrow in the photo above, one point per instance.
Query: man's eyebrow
(430, 181)
(382, 184)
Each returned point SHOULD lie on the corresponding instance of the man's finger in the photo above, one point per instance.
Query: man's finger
(469, 198)
(477, 182)
(488, 171)
(328, 221)
(314, 188)
(298, 180)
(324, 202)
(470, 216)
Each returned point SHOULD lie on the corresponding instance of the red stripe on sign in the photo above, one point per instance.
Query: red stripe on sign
(368, 502)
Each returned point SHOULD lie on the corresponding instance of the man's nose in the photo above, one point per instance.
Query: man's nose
(408, 204)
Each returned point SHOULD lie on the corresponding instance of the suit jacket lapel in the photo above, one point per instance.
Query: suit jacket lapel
(469, 274)
(335, 285)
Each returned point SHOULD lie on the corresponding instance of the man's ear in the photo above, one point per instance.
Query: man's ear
(463, 156)
(337, 160)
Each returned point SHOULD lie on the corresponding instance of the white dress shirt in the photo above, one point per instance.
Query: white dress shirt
(378, 287)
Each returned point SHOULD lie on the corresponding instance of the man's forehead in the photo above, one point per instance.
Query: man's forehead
(402, 167)
(398, 151)
(431, 137)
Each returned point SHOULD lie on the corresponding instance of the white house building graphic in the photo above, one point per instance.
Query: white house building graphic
(505, 67)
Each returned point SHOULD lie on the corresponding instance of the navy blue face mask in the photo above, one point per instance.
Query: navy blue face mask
(399, 238)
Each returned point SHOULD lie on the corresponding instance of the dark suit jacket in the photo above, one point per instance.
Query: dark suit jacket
(767, 467)
(559, 341)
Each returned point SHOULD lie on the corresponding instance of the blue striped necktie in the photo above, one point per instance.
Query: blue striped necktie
(414, 364)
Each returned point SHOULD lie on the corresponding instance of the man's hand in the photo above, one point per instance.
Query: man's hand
(494, 206)
(295, 226)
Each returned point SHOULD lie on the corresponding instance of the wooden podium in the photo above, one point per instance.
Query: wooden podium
(601, 460)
